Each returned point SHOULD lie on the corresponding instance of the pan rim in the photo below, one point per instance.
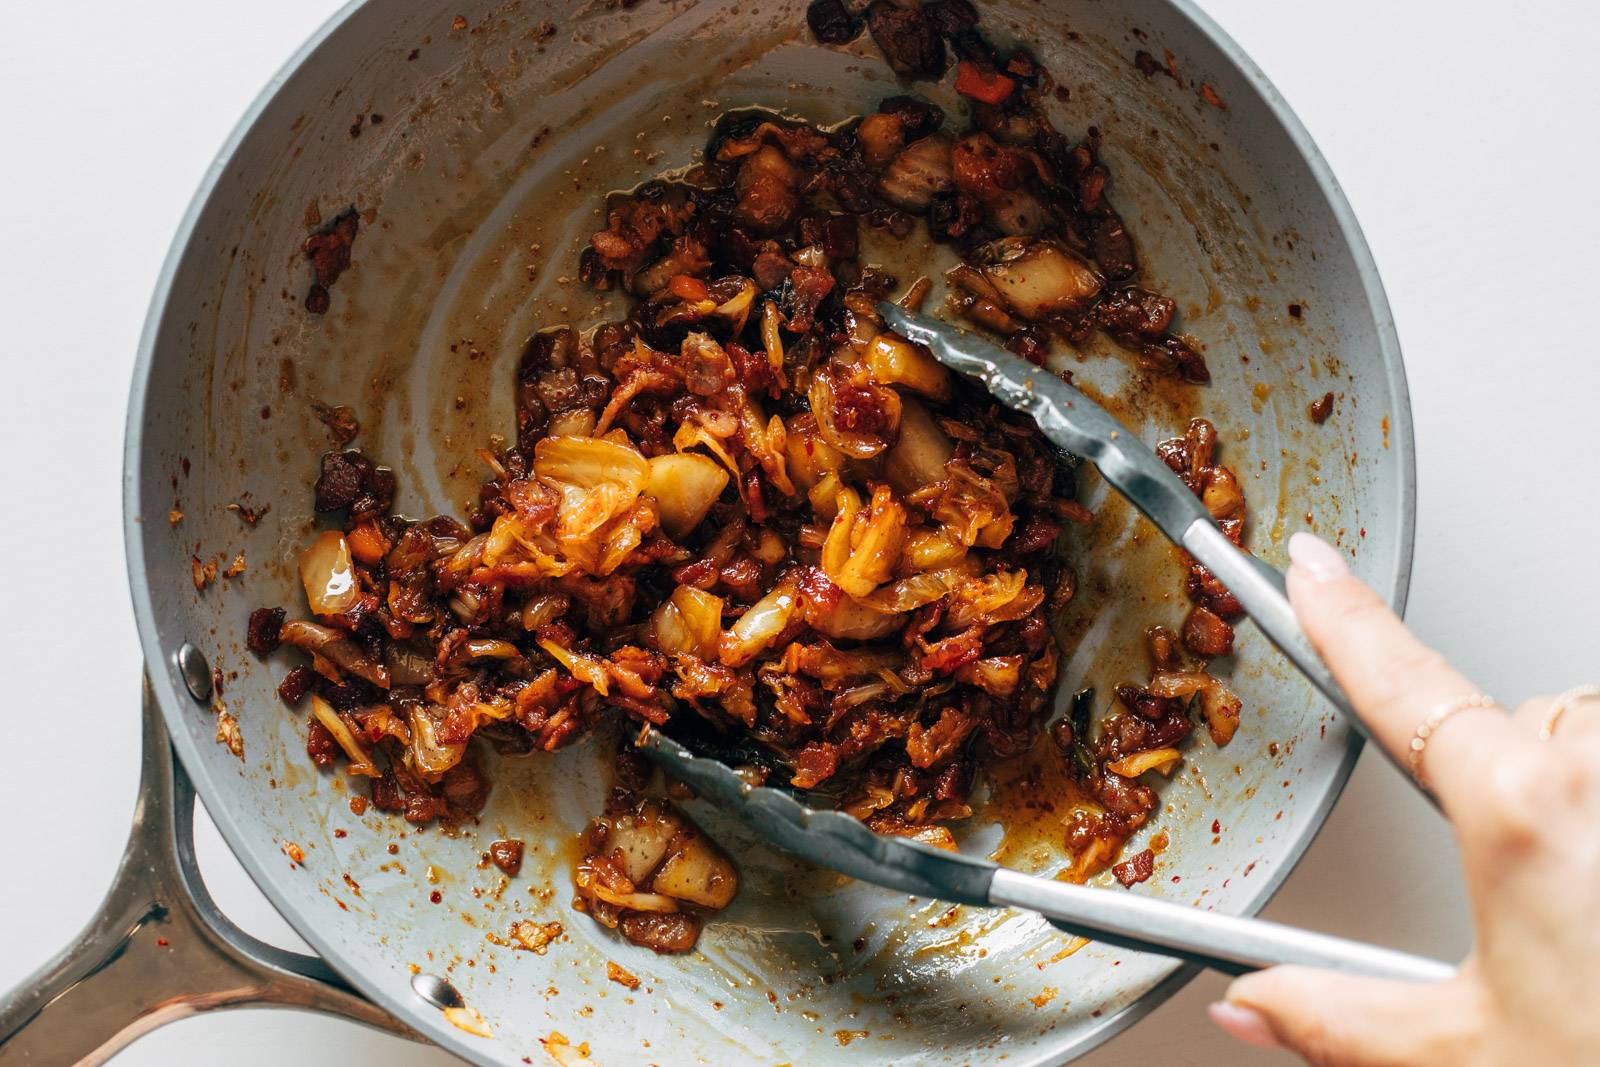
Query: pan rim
(214, 793)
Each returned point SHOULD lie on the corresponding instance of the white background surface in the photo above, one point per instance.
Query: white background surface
(1464, 135)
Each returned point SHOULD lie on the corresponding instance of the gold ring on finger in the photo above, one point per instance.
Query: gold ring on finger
(1430, 725)
(1559, 706)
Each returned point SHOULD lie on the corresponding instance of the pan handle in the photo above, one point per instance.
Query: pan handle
(158, 949)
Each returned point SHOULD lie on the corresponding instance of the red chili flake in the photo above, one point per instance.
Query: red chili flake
(162, 942)
(435, 896)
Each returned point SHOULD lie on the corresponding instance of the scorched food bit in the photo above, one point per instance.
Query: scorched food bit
(329, 251)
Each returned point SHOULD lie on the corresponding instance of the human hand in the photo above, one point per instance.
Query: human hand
(1526, 813)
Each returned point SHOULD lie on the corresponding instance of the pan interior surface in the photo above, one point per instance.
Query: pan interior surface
(477, 147)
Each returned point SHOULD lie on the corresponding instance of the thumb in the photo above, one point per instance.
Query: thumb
(1335, 1020)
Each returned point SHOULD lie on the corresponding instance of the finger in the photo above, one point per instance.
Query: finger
(1572, 712)
(1533, 711)
(1335, 1020)
(1393, 679)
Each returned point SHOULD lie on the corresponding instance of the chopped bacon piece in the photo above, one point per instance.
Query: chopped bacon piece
(1136, 869)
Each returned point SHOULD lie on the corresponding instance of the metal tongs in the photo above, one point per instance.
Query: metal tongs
(842, 843)
(1071, 420)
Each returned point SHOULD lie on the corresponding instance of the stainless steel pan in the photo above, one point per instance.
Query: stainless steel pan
(478, 150)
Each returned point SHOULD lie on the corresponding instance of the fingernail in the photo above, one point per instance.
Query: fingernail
(1243, 1024)
(1316, 557)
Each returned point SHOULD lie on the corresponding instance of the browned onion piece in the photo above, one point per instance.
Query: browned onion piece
(736, 310)
(653, 902)
(864, 544)
(1221, 709)
(336, 648)
(591, 670)
(1001, 597)
(851, 620)
(1222, 495)
(1039, 279)
(542, 610)
(590, 462)
(1158, 759)
(360, 759)
(407, 666)
(918, 456)
(933, 835)
(640, 838)
(767, 190)
(834, 406)
(489, 648)
(328, 575)
(881, 136)
(810, 457)
(998, 676)
(1018, 212)
(759, 627)
(689, 621)
(643, 866)
(895, 361)
(919, 173)
(428, 756)
(913, 592)
(1179, 684)
(685, 485)
(684, 257)
(928, 550)
(696, 871)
